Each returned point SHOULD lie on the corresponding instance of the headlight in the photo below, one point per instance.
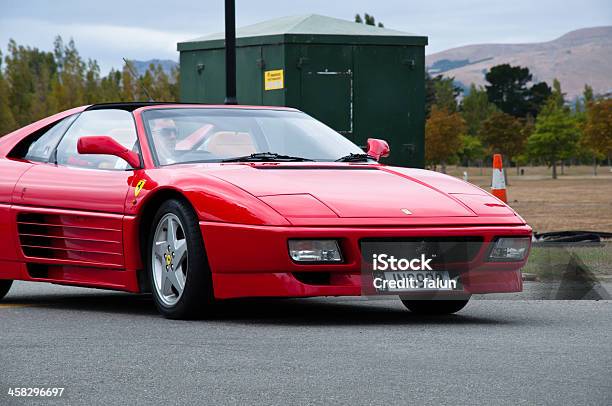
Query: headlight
(315, 251)
(509, 249)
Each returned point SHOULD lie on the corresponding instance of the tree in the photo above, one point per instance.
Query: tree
(162, 89)
(43, 101)
(92, 82)
(582, 103)
(7, 121)
(537, 96)
(174, 83)
(36, 84)
(443, 132)
(597, 135)
(555, 137)
(71, 74)
(128, 87)
(557, 97)
(28, 75)
(442, 92)
(507, 88)
(476, 108)
(146, 83)
(110, 87)
(587, 94)
(471, 149)
(367, 19)
(430, 93)
(504, 134)
(446, 93)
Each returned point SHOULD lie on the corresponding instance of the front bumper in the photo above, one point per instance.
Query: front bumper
(253, 261)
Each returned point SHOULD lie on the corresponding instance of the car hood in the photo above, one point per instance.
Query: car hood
(351, 191)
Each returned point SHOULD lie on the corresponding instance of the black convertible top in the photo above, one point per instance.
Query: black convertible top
(128, 106)
(131, 106)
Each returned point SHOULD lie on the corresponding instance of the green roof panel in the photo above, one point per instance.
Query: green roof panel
(311, 28)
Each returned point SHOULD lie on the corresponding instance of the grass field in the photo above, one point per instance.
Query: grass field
(576, 200)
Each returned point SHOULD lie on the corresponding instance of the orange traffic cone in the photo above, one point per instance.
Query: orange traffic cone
(498, 184)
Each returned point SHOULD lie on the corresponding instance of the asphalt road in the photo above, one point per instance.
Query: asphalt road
(112, 348)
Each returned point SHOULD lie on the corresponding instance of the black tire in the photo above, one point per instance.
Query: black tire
(5, 286)
(435, 307)
(197, 299)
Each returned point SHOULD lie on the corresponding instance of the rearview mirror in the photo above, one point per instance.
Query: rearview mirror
(378, 148)
(105, 145)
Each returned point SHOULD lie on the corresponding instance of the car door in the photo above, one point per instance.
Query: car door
(69, 210)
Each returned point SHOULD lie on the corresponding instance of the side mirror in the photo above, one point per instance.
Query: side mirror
(378, 148)
(105, 145)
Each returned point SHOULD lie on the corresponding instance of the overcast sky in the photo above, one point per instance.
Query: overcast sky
(111, 29)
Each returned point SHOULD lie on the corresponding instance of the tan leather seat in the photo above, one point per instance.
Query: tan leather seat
(230, 144)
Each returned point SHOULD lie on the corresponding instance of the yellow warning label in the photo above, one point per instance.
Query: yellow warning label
(139, 187)
(274, 79)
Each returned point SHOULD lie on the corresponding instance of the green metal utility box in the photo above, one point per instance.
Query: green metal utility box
(363, 81)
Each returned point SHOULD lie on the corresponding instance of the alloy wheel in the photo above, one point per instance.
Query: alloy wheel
(169, 259)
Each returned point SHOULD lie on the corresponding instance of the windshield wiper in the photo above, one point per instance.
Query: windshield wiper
(355, 158)
(267, 156)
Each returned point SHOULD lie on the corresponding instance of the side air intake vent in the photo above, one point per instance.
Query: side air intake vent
(70, 239)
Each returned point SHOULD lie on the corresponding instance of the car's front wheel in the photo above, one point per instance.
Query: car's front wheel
(181, 281)
(435, 307)
(5, 286)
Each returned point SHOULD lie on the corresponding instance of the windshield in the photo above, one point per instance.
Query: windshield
(216, 134)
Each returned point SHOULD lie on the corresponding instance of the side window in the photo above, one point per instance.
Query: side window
(40, 145)
(118, 124)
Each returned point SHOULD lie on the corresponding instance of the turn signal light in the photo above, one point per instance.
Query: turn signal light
(315, 251)
(509, 249)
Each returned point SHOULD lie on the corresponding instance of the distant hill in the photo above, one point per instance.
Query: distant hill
(577, 58)
(142, 66)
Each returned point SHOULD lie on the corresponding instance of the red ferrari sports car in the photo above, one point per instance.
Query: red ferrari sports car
(196, 204)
